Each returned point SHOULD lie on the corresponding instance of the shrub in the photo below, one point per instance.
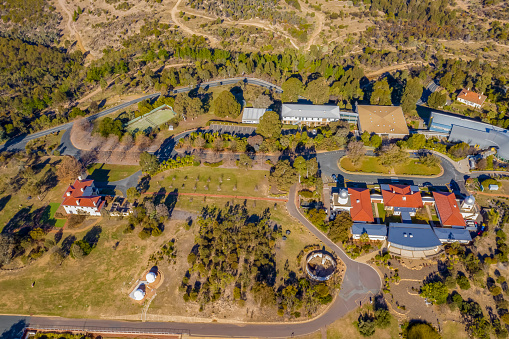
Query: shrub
(306, 194)
(463, 282)
(213, 164)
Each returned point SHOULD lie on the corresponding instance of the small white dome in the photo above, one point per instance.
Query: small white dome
(139, 294)
(151, 277)
(470, 199)
(343, 193)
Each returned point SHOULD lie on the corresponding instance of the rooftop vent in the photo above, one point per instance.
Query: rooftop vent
(405, 235)
(357, 201)
(82, 189)
(68, 194)
(411, 235)
(404, 198)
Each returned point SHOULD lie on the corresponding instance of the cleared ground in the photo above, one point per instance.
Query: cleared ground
(371, 165)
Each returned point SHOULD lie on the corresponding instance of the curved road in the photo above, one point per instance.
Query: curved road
(18, 144)
(360, 282)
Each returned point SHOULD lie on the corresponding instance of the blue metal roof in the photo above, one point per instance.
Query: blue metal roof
(484, 138)
(444, 122)
(452, 234)
(370, 229)
(413, 237)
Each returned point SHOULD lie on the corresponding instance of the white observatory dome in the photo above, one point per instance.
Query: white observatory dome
(470, 199)
(151, 277)
(343, 193)
(343, 197)
(139, 294)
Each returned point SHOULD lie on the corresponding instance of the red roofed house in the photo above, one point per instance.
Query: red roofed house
(401, 199)
(81, 198)
(357, 201)
(448, 209)
(471, 98)
(360, 200)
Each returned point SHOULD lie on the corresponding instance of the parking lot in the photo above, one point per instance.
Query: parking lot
(233, 129)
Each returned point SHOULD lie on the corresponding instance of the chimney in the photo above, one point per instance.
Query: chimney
(68, 194)
(404, 198)
(82, 189)
(77, 202)
(80, 178)
(479, 97)
(95, 204)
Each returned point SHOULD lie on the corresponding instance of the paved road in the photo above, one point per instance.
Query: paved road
(360, 282)
(18, 144)
(328, 165)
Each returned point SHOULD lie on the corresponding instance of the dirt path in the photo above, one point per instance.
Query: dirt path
(390, 68)
(71, 27)
(176, 20)
(221, 196)
(320, 17)
(266, 27)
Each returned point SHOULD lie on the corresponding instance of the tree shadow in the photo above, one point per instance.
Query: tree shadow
(67, 243)
(15, 331)
(4, 201)
(92, 236)
(171, 200)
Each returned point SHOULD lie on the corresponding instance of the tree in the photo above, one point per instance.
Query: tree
(355, 151)
(391, 155)
(109, 126)
(300, 165)
(375, 141)
(37, 233)
(435, 292)
(459, 150)
(132, 194)
(245, 161)
(318, 91)
(262, 101)
(292, 89)
(416, 141)
(69, 168)
(366, 326)
(149, 163)
(383, 318)
(422, 331)
(411, 94)
(429, 160)
(437, 99)
(365, 137)
(339, 228)
(225, 105)
(283, 175)
(381, 94)
(162, 211)
(463, 282)
(270, 125)
(187, 106)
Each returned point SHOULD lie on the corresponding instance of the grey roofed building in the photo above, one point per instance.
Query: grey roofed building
(448, 235)
(374, 231)
(441, 122)
(483, 138)
(313, 115)
(252, 115)
(412, 237)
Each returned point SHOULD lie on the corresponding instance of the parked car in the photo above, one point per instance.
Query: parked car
(334, 177)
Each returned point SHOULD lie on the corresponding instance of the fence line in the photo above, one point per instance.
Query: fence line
(98, 329)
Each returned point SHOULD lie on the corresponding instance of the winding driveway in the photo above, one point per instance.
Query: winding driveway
(360, 282)
(18, 144)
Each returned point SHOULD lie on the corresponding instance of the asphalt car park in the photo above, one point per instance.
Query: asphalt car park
(233, 129)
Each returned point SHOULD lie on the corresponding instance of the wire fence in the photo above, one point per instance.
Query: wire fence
(99, 329)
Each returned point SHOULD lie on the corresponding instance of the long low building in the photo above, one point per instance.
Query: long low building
(376, 232)
(314, 115)
(412, 240)
(450, 235)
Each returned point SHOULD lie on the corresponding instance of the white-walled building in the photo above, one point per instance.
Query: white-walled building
(471, 98)
(81, 198)
(314, 115)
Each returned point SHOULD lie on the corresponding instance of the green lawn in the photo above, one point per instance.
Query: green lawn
(413, 167)
(371, 165)
(107, 172)
(53, 209)
(208, 180)
(381, 211)
(367, 165)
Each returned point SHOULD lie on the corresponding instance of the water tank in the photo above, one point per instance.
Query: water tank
(139, 294)
(151, 277)
(343, 197)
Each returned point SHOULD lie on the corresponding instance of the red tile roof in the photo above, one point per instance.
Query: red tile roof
(401, 196)
(448, 208)
(361, 205)
(75, 197)
(472, 97)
